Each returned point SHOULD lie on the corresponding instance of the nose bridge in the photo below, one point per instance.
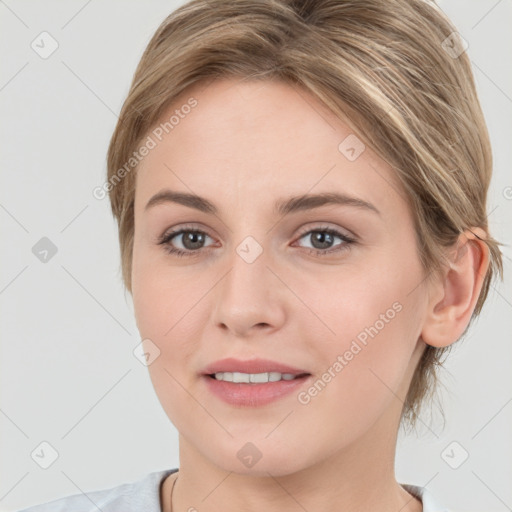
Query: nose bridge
(248, 263)
(247, 297)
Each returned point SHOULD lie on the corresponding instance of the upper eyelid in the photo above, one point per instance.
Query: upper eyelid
(342, 231)
(303, 230)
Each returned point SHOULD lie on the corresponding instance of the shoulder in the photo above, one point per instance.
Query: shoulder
(430, 504)
(143, 494)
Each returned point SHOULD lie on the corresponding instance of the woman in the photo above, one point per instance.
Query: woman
(300, 188)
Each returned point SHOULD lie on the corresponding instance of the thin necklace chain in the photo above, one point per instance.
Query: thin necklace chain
(172, 490)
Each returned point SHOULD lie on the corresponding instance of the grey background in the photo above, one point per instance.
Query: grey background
(68, 374)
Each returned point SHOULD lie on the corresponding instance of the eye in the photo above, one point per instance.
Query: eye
(322, 239)
(189, 241)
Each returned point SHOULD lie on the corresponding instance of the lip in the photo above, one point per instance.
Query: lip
(253, 394)
(250, 366)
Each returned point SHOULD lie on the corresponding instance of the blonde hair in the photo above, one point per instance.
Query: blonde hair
(395, 70)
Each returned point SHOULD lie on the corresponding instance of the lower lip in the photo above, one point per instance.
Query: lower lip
(253, 395)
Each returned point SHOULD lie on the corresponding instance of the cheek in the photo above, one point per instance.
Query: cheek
(375, 317)
(363, 297)
(167, 314)
(164, 295)
(166, 308)
(360, 372)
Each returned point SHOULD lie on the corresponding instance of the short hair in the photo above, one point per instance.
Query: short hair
(395, 71)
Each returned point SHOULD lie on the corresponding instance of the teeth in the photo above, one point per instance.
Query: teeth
(239, 377)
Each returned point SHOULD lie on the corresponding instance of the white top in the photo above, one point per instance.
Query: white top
(144, 495)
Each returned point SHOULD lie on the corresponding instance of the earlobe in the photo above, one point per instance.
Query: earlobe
(455, 293)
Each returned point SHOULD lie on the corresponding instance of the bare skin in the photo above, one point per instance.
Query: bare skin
(243, 147)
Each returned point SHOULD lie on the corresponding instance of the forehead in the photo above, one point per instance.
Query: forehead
(252, 140)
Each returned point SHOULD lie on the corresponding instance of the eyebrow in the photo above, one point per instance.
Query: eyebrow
(282, 206)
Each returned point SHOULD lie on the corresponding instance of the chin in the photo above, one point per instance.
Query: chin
(259, 459)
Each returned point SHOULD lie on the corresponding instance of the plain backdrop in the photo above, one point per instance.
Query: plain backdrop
(68, 374)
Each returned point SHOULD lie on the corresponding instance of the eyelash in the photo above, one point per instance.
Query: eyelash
(166, 239)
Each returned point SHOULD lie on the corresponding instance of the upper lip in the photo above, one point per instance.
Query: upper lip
(250, 366)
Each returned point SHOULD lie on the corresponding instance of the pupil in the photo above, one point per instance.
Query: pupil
(321, 238)
(193, 240)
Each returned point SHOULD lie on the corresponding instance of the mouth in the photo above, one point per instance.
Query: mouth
(253, 368)
(251, 383)
(255, 378)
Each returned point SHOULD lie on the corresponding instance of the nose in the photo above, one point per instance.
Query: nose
(249, 298)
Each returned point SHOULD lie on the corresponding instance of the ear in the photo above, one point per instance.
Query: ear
(454, 293)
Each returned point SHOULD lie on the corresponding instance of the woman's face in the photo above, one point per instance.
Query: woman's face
(333, 289)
